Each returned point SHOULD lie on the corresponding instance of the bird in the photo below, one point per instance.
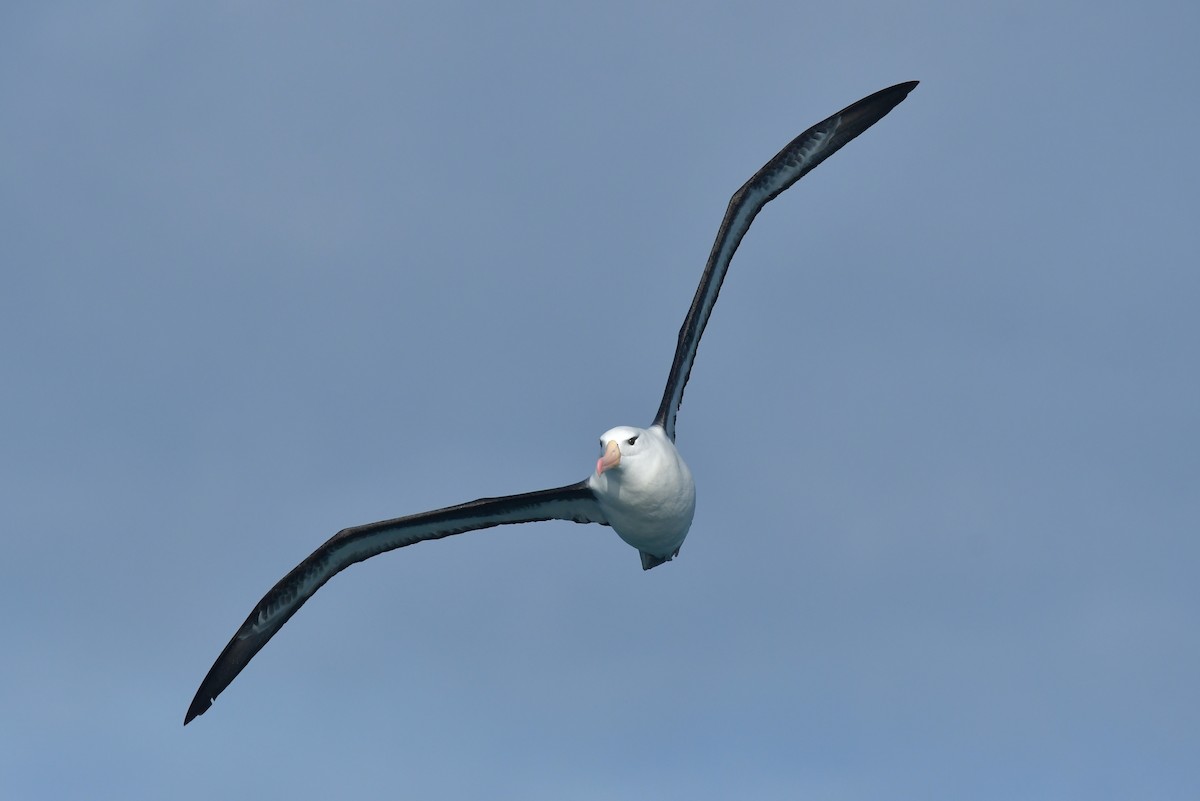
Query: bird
(640, 487)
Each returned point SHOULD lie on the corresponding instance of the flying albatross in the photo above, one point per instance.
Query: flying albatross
(641, 486)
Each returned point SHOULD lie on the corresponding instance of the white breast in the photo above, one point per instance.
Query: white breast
(651, 498)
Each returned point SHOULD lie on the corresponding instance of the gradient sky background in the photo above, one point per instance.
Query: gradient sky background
(274, 269)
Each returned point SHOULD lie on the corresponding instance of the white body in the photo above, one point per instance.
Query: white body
(649, 497)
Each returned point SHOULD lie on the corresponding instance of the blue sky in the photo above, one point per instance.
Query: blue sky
(277, 270)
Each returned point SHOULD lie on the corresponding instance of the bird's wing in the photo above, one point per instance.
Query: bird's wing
(575, 502)
(792, 163)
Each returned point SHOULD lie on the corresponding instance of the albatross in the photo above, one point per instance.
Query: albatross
(641, 487)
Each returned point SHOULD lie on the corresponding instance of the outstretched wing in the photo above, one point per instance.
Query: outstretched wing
(575, 502)
(791, 164)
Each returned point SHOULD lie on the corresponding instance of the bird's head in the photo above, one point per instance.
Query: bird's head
(618, 447)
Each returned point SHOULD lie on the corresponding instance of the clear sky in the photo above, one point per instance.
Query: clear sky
(270, 270)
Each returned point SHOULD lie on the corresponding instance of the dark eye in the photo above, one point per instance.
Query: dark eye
(631, 440)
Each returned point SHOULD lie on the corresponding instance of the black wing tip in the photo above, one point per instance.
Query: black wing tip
(900, 90)
(888, 98)
(199, 706)
(229, 664)
(205, 696)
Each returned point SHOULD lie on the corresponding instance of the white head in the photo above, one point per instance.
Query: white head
(641, 465)
(619, 448)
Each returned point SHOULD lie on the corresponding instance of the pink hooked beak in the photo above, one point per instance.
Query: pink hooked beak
(610, 459)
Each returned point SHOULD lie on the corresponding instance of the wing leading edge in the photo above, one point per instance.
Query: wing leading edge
(791, 164)
(575, 502)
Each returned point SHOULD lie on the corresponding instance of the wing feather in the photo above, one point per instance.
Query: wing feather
(791, 164)
(576, 502)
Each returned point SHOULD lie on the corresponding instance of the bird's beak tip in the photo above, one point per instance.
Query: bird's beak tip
(610, 459)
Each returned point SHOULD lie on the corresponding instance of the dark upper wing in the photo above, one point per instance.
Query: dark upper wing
(575, 502)
(791, 164)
